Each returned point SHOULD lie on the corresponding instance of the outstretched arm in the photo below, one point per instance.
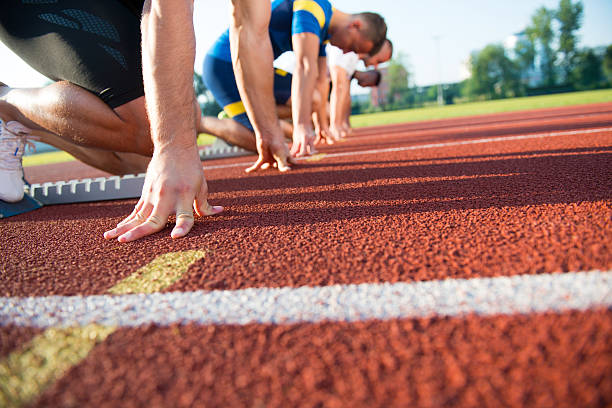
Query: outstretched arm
(252, 58)
(340, 93)
(306, 49)
(320, 116)
(175, 182)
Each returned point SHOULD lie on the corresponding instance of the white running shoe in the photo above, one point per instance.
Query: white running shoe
(13, 140)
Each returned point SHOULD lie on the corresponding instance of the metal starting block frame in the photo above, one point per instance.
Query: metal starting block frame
(80, 191)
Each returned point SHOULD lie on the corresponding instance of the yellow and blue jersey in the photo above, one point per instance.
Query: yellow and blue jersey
(288, 17)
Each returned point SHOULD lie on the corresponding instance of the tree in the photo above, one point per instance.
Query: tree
(588, 72)
(209, 106)
(569, 16)
(525, 52)
(398, 77)
(494, 75)
(607, 63)
(540, 32)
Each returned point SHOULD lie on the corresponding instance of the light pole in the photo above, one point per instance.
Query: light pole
(440, 91)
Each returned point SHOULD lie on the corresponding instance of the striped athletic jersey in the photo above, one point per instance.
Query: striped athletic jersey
(289, 17)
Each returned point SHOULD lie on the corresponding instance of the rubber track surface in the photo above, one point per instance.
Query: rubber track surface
(543, 361)
(531, 206)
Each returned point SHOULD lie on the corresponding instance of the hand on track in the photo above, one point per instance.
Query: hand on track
(324, 135)
(303, 141)
(174, 184)
(273, 152)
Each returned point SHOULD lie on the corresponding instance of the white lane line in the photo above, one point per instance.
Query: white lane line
(452, 297)
(435, 145)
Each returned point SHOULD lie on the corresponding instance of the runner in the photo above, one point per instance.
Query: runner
(301, 26)
(343, 68)
(96, 109)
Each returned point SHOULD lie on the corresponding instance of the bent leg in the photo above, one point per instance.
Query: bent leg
(229, 130)
(78, 117)
(92, 50)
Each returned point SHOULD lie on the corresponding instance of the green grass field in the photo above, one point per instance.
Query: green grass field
(482, 108)
(414, 115)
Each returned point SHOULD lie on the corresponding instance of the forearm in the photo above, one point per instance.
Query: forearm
(322, 89)
(346, 111)
(252, 58)
(168, 54)
(302, 87)
(340, 89)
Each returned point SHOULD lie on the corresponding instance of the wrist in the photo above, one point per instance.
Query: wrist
(176, 149)
(303, 127)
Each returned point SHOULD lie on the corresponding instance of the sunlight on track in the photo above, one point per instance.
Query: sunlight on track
(29, 371)
(434, 146)
(316, 157)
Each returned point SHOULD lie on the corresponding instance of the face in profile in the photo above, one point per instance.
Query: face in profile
(352, 38)
(383, 55)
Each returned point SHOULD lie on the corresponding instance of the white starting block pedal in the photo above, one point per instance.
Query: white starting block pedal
(221, 149)
(81, 191)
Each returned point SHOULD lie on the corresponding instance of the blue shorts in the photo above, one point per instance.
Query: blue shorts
(218, 76)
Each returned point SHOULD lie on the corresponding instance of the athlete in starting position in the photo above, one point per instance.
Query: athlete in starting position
(301, 26)
(343, 68)
(96, 109)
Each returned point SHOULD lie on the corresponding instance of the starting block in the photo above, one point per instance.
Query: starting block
(99, 189)
(75, 191)
(81, 191)
(221, 149)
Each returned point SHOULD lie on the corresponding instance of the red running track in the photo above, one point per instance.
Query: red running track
(498, 208)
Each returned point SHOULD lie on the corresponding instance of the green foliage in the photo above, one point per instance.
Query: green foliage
(210, 107)
(569, 16)
(494, 74)
(198, 84)
(540, 33)
(588, 70)
(607, 64)
(398, 78)
(525, 52)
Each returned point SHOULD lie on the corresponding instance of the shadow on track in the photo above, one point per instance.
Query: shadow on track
(543, 180)
(549, 177)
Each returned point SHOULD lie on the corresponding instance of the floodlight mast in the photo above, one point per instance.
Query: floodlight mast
(440, 91)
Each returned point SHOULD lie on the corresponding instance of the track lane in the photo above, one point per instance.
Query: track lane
(529, 206)
(493, 209)
(537, 360)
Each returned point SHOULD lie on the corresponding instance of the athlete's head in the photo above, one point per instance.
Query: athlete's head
(363, 33)
(383, 55)
(368, 78)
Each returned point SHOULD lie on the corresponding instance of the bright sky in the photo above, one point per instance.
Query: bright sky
(462, 25)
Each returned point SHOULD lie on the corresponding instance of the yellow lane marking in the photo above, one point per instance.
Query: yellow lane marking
(28, 372)
(161, 273)
(316, 157)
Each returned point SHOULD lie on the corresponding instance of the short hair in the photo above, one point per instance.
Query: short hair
(375, 29)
